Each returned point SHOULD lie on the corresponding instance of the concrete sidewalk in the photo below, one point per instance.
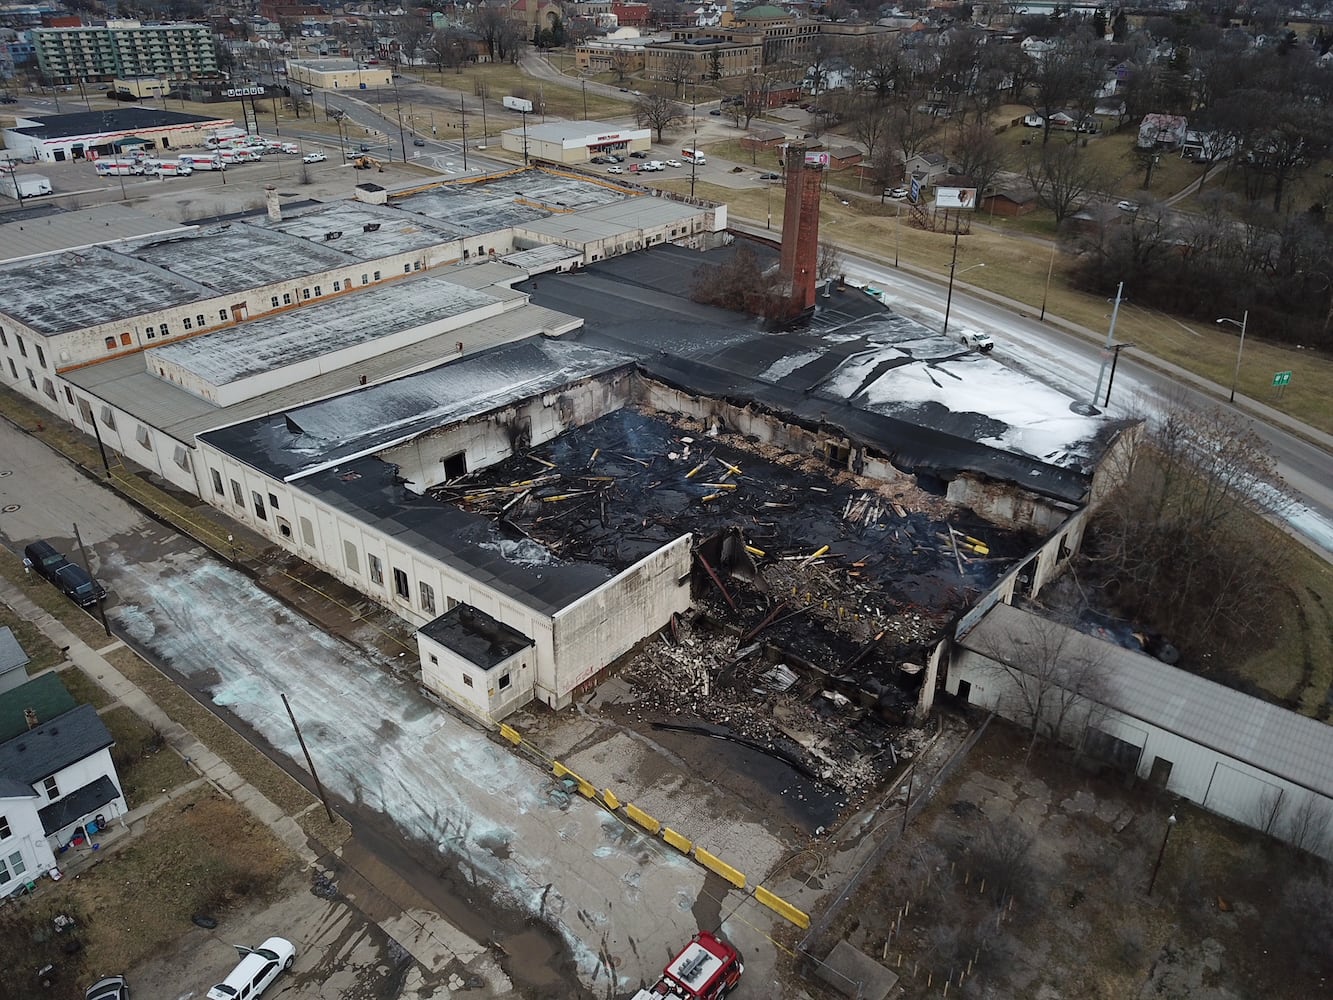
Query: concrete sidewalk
(209, 765)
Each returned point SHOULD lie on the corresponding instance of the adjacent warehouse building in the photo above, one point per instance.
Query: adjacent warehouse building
(126, 49)
(86, 134)
(338, 74)
(574, 141)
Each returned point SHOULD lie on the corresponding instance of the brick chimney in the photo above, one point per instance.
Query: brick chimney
(30, 717)
(800, 227)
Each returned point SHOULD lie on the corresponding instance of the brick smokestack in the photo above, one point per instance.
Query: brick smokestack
(800, 228)
(274, 206)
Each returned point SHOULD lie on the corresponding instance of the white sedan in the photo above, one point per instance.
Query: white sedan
(256, 970)
(673, 163)
(615, 170)
(313, 158)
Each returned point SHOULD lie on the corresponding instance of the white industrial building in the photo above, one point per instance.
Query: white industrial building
(574, 141)
(1258, 764)
(87, 134)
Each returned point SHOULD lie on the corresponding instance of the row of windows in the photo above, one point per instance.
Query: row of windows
(163, 330)
(23, 348)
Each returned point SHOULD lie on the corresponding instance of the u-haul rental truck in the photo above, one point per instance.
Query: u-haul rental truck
(203, 161)
(707, 969)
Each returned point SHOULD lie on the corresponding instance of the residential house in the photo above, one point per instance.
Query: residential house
(58, 784)
(842, 157)
(1206, 147)
(776, 93)
(1011, 200)
(763, 138)
(1162, 131)
(930, 167)
(12, 661)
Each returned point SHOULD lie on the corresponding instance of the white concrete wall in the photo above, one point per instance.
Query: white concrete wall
(1206, 776)
(74, 777)
(26, 838)
(447, 675)
(605, 624)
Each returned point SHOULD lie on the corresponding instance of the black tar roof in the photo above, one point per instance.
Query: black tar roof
(111, 120)
(369, 490)
(476, 636)
(639, 304)
(78, 804)
(288, 445)
(65, 740)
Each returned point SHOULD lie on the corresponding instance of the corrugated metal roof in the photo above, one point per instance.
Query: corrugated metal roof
(1269, 737)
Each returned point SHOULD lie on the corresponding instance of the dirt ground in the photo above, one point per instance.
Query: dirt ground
(1031, 881)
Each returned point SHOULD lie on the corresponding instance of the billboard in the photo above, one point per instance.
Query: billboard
(816, 159)
(955, 197)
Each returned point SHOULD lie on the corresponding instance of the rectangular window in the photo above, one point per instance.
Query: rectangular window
(217, 483)
(150, 332)
(375, 568)
(467, 681)
(274, 301)
(51, 787)
(141, 435)
(5, 831)
(337, 286)
(4, 341)
(305, 293)
(427, 598)
(200, 320)
(260, 512)
(41, 356)
(222, 315)
(504, 681)
(286, 299)
(416, 265)
(12, 369)
(407, 268)
(350, 557)
(284, 526)
(236, 494)
(319, 290)
(32, 379)
(273, 500)
(16, 865)
(23, 348)
(377, 276)
(365, 279)
(400, 585)
(108, 418)
(4, 874)
(188, 323)
(69, 396)
(307, 532)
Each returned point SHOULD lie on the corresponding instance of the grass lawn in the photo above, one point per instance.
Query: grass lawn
(146, 765)
(85, 690)
(200, 854)
(46, 597)
(499, 80)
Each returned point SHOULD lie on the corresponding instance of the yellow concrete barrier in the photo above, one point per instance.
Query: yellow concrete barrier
(715, 864)
(511, 734)
(649, 823)
(585, 788)
(679, 841)
(782, 908)
(559, 769)
(609, 797)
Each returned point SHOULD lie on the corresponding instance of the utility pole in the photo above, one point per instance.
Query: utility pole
(101, 601)
(1110, 343)
(309, 763)
(462, 110)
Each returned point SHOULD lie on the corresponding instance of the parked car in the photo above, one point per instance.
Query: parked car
(43, 558)
(599, 160)
(255, 972)
(313, 158)
(365, 148)
(110, 988)
(770, 177)
(1129, 207)
(898, 193)
(307, 91)
(639, 154)
(1034, 121)
(716, 111)
(75, 583)
(613, 158)
(874, 292)
(418, 142)
(613, 169)
(673, 163)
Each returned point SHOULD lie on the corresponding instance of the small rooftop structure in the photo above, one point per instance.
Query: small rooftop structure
(476, 636)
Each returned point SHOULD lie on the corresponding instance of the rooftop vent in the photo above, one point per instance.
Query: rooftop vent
(371, 227)
(337, 234)
(30, 717)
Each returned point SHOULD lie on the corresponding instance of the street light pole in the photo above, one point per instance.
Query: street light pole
(953, 263)
(1047, 290)
(584, 84)
(462, 110)
(1170, 822)
(1244, 322)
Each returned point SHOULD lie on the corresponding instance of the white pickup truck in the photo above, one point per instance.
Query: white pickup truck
(977, 341)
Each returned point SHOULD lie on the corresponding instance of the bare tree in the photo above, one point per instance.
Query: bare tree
(622, 64)
(658, 112)
(910, 128)
(1062, 178)
(740, 284)
(413, 36)
(980, 154)
(1267, 810)
(1054, 685)
(1307, 824)
(676, 70)
(830, 261)
(869, 125)
(1004, 859)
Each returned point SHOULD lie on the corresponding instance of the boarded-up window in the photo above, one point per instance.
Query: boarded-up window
(141, 435)
(350, 557)
(307, 532)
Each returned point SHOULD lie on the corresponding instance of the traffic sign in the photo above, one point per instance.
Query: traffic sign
(1281, 379)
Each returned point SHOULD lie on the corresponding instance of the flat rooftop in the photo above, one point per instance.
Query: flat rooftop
(918, 398)
(358, 317)
(46, 229)
(83, 123)
(233, 257)
(524, 196)
(365, 232)
(476, 636)
(607, 221)
(560, 131)
(125, 383)
(74, 289)
(292, 443)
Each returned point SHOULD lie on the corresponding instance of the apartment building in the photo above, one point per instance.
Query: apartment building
(126, 49)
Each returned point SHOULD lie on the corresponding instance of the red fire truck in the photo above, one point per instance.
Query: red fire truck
(707, 969)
